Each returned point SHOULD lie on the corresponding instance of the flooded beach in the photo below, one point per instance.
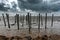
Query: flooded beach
(29, 27)
(24, 30)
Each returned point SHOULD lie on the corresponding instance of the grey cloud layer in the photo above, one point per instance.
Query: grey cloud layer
(2, 8)
(38, 5)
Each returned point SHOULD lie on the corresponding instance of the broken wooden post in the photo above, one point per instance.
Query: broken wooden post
(7, 15)
(46, 21)
(39, 22)
(52, 20)
(4, 20)
(17, 20)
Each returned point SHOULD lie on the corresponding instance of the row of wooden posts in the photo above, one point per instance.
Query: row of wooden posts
(28, 20)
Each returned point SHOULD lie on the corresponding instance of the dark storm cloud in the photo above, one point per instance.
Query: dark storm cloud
(55, 7)
(6, 7)
(54, 0)
(38, 5)
(30, 4)
(34, 1)
(2, 8)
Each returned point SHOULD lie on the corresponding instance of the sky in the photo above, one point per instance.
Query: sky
(40, 5)
(15, 2)
(9, 3)
(35, 5)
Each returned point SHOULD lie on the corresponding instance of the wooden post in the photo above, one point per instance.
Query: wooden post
(37, 19)
(46, 21)
(17, 20)
(29, 22)
(4, 20)
(22, 20)
(26, 19)
(52, 20)
(39, 22)
(34, 18)
(7, 15)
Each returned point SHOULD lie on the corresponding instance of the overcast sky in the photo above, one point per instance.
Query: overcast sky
(36, 5)
(40, 5)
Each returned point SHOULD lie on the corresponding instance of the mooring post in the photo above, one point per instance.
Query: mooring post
(7, 15)
(4, 20)
(17, 20)
(52, 20)
(39, 22)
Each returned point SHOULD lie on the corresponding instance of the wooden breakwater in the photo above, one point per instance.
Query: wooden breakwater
(28, 19)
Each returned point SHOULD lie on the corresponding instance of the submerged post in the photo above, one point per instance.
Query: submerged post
(7, 15)
(52, 20)
(4, 20)
(17, 15)
(39, 22)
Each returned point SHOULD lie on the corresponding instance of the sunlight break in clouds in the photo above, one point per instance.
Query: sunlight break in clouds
(15, 2)
(46, 1)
